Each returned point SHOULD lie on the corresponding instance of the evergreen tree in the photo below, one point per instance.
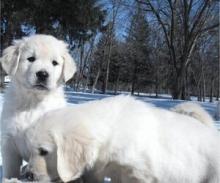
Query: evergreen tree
(138, 50)
(73, 20)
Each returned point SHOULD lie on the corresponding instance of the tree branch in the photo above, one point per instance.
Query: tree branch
(210, 28)
(197, 21)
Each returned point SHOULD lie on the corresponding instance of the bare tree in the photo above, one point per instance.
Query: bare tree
(116, 4)
(85, 53)
(183, 22)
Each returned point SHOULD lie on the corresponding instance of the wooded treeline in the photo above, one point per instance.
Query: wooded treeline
(140, 46)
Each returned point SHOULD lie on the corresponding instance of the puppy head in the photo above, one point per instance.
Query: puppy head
(38, 62)
(59, 154)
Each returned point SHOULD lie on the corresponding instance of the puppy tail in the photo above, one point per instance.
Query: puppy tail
(196, 111)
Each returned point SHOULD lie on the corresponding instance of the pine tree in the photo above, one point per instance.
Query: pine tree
(138, 49)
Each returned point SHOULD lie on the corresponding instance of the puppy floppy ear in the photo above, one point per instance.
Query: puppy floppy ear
(10, 59)
(73, 154)
(69, 67)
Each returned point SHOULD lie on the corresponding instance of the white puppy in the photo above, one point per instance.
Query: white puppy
(196, 111)
(121, 174)
(38, 65)
(154, 144)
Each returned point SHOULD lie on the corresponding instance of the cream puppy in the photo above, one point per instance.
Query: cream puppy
(38, 66)
(153, 144)
(196, 111)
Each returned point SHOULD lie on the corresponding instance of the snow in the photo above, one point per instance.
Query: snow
(164, 101)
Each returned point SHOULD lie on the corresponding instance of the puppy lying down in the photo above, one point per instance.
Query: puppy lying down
(156, 144)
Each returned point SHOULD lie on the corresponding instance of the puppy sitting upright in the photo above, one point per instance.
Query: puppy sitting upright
(38, 65)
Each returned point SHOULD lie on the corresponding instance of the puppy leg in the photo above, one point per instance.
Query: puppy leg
(11, 159)
(117, 174)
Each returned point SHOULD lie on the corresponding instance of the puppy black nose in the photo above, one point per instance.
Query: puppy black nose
(42, 75)
(29, 176)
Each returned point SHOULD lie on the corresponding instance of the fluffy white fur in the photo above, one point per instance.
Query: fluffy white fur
(25, 99)
(154, 144)
(196, 111)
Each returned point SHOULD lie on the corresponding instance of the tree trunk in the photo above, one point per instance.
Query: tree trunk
(156, 90)
(177, 85)
(200, 92)
(218, 91)
(115, 8)
(218, 82)
(108, 64)
(87, 59)
(96, 80)
(2, 77)
(134, 79)
(116, 83)
(156, 83)
(211, 91)
(86, 84)
(203, 87)
(187, 88)
(80, 72)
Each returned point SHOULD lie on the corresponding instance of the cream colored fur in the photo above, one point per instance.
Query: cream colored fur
(24, 101)
(153, 144)
(196, 111)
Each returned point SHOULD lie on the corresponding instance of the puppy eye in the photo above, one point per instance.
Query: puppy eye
(54, 62)
(43, 152)
(31, 59)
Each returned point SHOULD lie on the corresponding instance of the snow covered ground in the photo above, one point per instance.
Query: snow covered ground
(164, 101)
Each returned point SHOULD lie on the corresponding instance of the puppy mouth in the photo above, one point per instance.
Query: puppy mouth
(43, 178)
(40, 86)
(57, 180)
